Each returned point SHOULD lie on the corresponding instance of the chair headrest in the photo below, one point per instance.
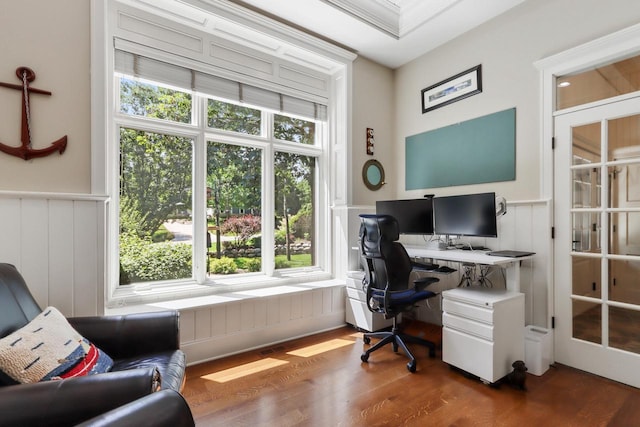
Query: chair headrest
(379, 226)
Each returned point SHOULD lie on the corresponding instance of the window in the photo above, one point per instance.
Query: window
(598, 83)
(214, 176)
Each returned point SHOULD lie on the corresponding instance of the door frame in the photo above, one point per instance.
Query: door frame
(620, 44)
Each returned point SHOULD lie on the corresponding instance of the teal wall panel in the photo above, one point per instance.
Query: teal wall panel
(472, 152)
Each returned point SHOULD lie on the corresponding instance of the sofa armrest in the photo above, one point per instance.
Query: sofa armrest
(70, 401)
(165, 408)
(132, 334)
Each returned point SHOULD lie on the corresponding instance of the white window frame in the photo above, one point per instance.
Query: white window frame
(105, 155)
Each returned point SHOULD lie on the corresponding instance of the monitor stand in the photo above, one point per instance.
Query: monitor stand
(439, 245)
(436, 245)
(449, 242)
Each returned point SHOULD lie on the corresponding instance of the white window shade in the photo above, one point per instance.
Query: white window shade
(218, 87)
(150, 69)
(162, 72)
(261, 97)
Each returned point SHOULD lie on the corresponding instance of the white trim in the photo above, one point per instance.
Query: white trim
(595, 104)
(174, 71)
(99, 91)
(208, 300)
(269, 27)
(172, 293)
(234, 47)
(605, 49)
(381, 15)
(295, 48)
(52, 196)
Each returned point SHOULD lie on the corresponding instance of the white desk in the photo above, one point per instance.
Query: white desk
(511, 265)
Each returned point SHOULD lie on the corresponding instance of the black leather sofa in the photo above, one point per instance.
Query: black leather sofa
(125, 398)
(144, 348)
(166, 408)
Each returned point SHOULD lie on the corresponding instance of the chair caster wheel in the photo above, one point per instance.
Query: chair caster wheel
(432, 353)
(366, 339)
(364, 357)
(395, 347)
(411, 366)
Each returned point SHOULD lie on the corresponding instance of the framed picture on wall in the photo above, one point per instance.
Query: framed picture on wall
(453, 89)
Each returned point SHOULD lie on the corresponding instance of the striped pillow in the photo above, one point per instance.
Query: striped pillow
(48, 348)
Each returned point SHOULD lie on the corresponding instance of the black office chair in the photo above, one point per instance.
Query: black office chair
(386, 283)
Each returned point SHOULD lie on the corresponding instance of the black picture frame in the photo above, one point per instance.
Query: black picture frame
(460, 86)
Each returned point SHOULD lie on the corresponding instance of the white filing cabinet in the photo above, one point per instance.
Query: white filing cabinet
(357, 313)
(483, 331)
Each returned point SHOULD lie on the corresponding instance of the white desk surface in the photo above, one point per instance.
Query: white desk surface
(459, 255)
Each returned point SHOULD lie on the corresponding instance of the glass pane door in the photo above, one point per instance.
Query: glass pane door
(597, 246)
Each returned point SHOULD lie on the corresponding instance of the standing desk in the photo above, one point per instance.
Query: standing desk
(511, 265)
(483, 329)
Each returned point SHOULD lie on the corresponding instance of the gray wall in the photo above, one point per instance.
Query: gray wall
(506, 47)
(53, 39)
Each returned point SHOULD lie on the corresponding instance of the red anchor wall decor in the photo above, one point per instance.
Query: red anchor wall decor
(25, 151)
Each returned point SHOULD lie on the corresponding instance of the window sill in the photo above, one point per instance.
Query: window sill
(141, 294)
(220, 295)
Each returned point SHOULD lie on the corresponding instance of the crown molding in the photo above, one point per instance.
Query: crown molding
(380, 14)
(214, 16)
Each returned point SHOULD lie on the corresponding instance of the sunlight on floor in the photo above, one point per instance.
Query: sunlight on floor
(312, 350)
(270, 362)
(244, 370)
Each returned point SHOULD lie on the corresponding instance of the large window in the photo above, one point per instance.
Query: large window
(212, 186)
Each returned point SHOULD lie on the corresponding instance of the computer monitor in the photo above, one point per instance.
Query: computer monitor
(465, 215)
(415, 216)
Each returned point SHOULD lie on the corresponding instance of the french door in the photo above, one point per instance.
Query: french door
(597, 240)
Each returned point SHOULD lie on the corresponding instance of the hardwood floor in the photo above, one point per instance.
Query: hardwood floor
(320, 381)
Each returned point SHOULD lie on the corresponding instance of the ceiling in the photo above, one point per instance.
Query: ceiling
(390, 32)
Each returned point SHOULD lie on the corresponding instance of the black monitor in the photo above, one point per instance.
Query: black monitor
(415, 216)
(466, 215)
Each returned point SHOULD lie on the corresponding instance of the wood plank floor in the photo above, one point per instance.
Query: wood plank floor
(320, 381)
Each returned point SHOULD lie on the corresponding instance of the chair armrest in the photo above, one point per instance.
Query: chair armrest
(423, 282)
(132, 334)
(164, 408)
(68, 402)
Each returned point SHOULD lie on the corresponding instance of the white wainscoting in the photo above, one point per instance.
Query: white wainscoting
(57, 243)
(223, 329)
(219, 325)
(527, 227)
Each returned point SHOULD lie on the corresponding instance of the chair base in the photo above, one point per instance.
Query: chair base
(396, 339)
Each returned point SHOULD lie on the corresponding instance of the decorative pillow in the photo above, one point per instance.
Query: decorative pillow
(48, 348)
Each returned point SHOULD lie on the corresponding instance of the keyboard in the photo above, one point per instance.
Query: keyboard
(511, 254)
(474, 248)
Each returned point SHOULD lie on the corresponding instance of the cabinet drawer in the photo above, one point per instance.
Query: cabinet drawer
(358, 315)
(470, 354)
(355, 283)
(468, 326)
(356, 294)
(475, 312)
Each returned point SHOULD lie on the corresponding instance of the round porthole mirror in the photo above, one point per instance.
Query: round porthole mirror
(373, 174)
